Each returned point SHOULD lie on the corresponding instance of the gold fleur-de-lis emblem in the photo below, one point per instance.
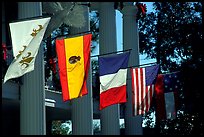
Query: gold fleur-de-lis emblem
(35, 31)
(26, 60)
(21, 51)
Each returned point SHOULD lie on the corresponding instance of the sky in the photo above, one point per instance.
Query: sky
(120, 35)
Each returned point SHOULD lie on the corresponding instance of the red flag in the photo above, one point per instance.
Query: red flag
(4, 51)
(53, 65)
(166, 89)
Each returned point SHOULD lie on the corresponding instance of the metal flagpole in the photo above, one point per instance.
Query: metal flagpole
(111, 53)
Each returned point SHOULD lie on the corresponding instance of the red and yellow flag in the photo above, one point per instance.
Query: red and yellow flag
(74, 61)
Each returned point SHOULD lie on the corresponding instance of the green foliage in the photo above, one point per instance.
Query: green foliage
(148, 119)
(184, 124)
(172, 34)
(61, 128)
(94, 27)
(96, 127)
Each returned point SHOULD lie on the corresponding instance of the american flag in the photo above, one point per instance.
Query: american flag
(166, 89)
(143, 80)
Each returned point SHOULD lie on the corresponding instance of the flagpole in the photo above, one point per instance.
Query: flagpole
(30, 18)
(73, 35)
(69, 36)
(142, 65)
(111, 53)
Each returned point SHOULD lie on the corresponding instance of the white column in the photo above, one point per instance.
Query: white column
(133, 125)
(32, 94)
(109, 117)
(82, 108)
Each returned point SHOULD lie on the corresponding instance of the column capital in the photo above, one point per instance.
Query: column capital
(129, 10)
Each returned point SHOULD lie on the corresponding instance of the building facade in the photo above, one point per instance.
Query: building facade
(28, 108)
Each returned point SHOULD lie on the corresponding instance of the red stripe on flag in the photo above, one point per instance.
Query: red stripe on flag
(142, 94)
(86, 50)
(113, 96)
(146, 99)
(137, 91)
(159, 90)
(133, 90)
(141, 91)
(60, 49)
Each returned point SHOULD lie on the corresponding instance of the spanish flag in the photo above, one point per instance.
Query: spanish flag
(74, 61)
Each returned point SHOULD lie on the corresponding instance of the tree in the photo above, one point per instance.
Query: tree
(96, 127)
(172, 34)
(60, 127)
(172, 26)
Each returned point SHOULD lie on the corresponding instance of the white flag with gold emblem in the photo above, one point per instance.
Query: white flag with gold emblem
(26, 38)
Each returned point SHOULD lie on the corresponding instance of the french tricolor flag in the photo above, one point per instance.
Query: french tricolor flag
(112, 75)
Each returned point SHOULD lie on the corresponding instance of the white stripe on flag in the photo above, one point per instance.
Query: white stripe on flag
(113, 80)
(142, 93)
(170, 105)
(134, 91)
(143, 106)
(139, 91)
(150, 91)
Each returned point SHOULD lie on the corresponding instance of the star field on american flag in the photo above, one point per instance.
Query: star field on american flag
(171, 82)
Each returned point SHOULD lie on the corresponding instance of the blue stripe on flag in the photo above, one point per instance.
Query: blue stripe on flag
(112, 63)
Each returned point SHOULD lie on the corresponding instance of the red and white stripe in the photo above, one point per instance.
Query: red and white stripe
(142, 94)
